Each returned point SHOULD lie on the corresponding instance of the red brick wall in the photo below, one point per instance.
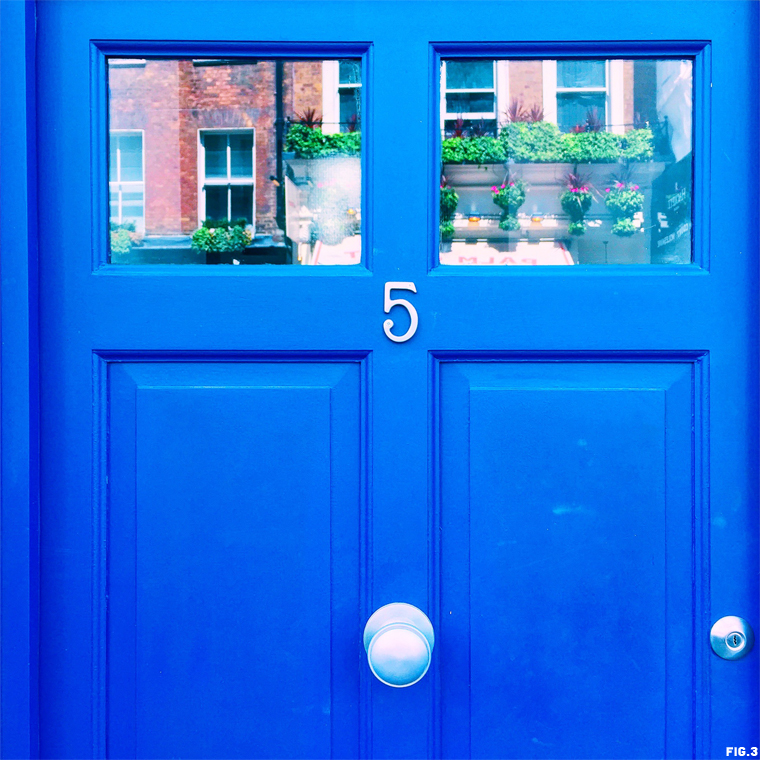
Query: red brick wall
(526, 83)
(305, 88)
(172, 100)
(148, 99)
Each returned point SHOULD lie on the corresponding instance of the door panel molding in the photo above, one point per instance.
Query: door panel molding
(334, 386)
(668, 386)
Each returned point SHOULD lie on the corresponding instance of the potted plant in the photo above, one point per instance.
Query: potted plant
(122, 238)
(624, 200)
(509, 196)
(576, 200)
(221, 238)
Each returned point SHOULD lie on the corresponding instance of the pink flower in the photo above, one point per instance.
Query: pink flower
(493, 189)
(503, 186)
(635, 187)
(511, 184)
(606, 189)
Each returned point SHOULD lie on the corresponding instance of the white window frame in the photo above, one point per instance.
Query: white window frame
(127, 63)
(132, 186)
(227, 181)
(331, 87)
(476, 115)
(614, 90)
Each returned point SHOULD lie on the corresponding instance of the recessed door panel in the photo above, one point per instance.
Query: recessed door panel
(567, 506)
(233, 559)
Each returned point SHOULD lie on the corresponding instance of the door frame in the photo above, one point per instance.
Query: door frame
(19, 385)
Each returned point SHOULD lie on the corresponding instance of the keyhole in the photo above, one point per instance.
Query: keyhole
(735, 640)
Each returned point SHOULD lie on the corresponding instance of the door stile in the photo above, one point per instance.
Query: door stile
(19, 386)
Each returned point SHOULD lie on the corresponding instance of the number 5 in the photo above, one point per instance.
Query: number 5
(389, 303)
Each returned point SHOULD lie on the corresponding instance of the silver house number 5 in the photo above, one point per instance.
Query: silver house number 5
(389, 303)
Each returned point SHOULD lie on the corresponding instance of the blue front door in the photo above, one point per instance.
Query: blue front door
(239, 466)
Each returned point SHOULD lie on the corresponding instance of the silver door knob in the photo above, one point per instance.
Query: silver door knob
(731, 637)
(399, 642)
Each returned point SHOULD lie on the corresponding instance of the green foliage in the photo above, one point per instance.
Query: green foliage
(449, 200)
(343, 143)
(483, 150)
(115, 227)
(537, 142)
(542, 142)
(637, 145)
(304, 141)
(576, 203)
(121, 242)
(577, 228)
(447, 230)
(224, 224)
(308, 142)
(606, 147)
(472, 150)
(623, 227)
(510, 195)
(590, 147)
(624, 201)
(509, 222)
(452, 151)
(231, 238)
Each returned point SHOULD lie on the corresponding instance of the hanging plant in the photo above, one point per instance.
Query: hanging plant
(449, 199)
(576, 201)
(624, 200)
(509, 196)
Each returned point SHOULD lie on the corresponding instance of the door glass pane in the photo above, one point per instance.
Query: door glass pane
(568, 177)
(215, 151)
(132, 207)
(241, 155)
(216, 202)
(350, 109)
(350, 72)
(201, 170)
(574, 109)
(469, 102)
(581, 73)
(464, 75)
(130, 152)
(242, 203)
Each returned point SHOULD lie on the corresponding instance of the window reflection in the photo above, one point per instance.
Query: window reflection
(235, 161)
(565, 162)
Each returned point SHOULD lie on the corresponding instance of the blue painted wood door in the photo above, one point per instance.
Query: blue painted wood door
(238, 467)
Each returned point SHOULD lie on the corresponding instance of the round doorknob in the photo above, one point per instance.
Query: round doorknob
(399, 642)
